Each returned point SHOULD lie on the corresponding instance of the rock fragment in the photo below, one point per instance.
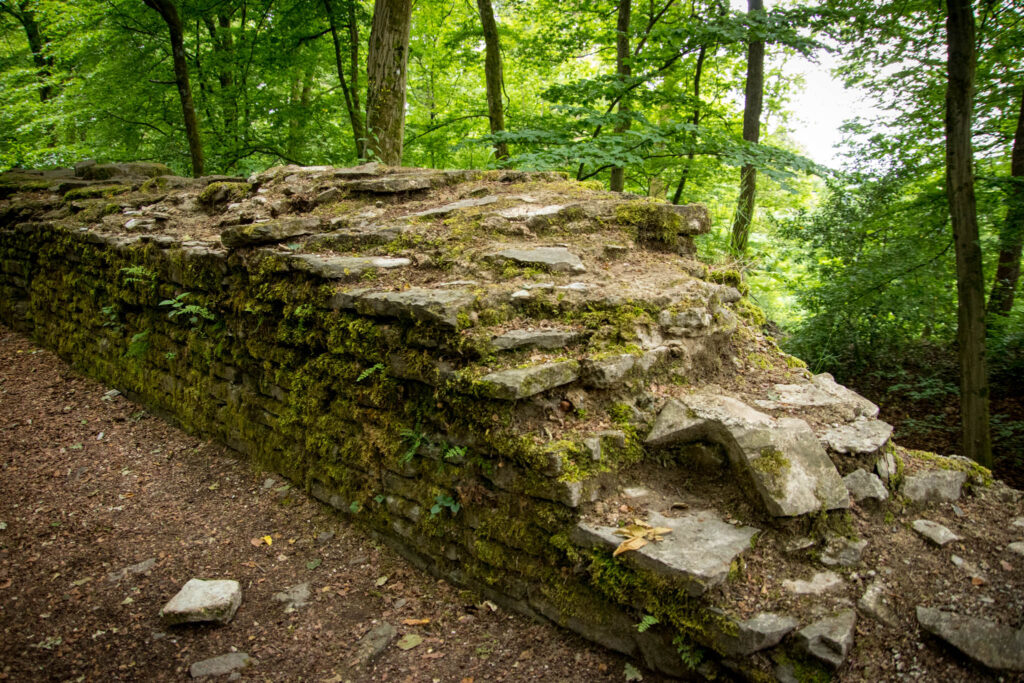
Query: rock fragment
(202, 600)
(752, 635)
(829, 640)
(861, 437)
(518, 383)
(934, 486)
(374, 643)
(865, 488)
(934, 532)
(994, 645)
(874, 602)
(219, 666)
(554, 259)
(820, 583)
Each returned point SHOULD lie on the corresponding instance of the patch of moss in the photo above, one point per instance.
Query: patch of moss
(96, 191)
(223, 193)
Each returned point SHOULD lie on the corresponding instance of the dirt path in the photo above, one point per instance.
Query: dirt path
(91, 484)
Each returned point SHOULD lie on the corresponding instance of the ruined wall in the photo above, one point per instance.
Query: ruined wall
(495, 372)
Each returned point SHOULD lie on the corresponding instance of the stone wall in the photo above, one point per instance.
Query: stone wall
(504, 375)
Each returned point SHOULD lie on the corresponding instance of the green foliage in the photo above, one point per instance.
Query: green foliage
(443, 501)
(646, 622)
(138, 345)
(368, 372)
(193, 312)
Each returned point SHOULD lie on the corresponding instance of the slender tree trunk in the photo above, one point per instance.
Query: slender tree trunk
(695, 120)
(754, 97)
(223, 49)
(386, 67)
(494, 76)
(26, 16)
(970, 284)
(169, 13)
(355, 116)
(1011, 237)
(623, 71)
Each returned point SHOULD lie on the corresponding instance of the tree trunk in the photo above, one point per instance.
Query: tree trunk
(695, 120)
(494, 76)
(224, 61)
(623, 70)
(169, 13)
(355, 115)
(386, 65)
(1011, 237)
(754, 97)
(963, 213)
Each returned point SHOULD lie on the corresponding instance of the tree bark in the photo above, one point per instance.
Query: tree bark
(493, 74)
(169, 13)
(623, 71)
(695, 120)
(386, 69)
(754, 98)
(1011, 237)
(355, 114)
(26, 16)
(974, 388)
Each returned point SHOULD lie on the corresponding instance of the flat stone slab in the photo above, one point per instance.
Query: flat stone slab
(455, 206)
(523, 211)
(820, 583)
(517, 383)
(758, 633)
(607, 372)
(829, 640)
(934, 486)
(270, 232)
(783, 459)
(994, 645)
(294, 597)
(437, 306)
(219, 666)
(843, 552)
(700, 549)
(344, 267)
(934, 532)
(861, 437)
(865, 487)
(536, 339)
(822, 391)
(554, 259)
(202, 600)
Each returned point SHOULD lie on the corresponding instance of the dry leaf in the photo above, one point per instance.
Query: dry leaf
(634, 543)
(415, 622)
(268, 539)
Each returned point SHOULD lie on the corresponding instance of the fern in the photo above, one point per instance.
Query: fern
(379, 367)
(647, 622)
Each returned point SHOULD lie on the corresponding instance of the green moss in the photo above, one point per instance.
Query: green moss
(977, 474)
(751, 312)
(223, 193)
(774, 466)
(655, 223)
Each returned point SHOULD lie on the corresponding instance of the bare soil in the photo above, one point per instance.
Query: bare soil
(91, 484)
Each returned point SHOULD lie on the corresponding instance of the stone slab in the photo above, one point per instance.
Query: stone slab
(934, 486)
(994, 645)
(437, 306)
(865, 487)
(219, 666)
(344, 267)
(820, 583)
(752, 635)
(554, 259)
(536, 339)
(863, 436)
(699, 551)
(934, 532)
(517, 383)
(829, 640)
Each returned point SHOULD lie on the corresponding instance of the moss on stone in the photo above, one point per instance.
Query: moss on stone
(95, 191)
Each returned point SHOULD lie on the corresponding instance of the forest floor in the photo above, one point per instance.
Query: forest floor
(91, 484)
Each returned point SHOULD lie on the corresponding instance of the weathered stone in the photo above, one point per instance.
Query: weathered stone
(523, 211)
(554, 259)
(934, 532)
(294, 597)
(829, 640)
(887, 466)
(689, 323)
(865, 488)
(874, 602)
(219, 666)
(203, 600)
(328, 196)
(344, 267)
(994, 645)
(782, 458)
(1016, 547)
(239, 236)
(143, 567)
(372, 168)
(822, 391)
(934, 486)
(607, 372)
(820, 583)
(519, 383)
(399, 182)
(455, 206)
(699, 550)
(752, 635)
(374, 643)
(843, 552)
(137, 169)
(537, 339)
(863, 436)
(436, 306)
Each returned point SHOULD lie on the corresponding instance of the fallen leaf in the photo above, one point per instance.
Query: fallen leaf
(313, 564)
(634, 543)
(409, 641)
(5, 584)
(214, 486)
(977, 581)
(381, 581)
(268, 539)
(415, 622)
(256, 542)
